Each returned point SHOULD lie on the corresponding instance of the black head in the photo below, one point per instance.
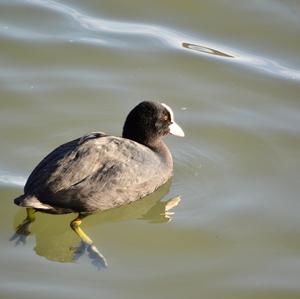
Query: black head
(149, 121)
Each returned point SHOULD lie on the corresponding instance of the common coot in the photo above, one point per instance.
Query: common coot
(97, 172)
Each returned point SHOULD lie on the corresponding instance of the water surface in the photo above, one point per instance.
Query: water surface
(231, 73)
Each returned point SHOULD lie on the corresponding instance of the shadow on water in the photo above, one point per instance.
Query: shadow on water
(56, 241)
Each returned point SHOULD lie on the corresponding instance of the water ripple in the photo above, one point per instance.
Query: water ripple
(20, 33)
(178, 40)
(12, 180)
(207, 50)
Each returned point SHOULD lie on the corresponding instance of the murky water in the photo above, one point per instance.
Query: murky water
(231, 73)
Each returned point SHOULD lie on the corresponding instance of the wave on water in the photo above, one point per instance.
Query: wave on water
(178, 40)
(12, 180)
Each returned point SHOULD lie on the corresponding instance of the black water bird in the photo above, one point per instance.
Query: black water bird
(98, 172)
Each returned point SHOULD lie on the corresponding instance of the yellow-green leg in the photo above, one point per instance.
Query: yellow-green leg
(22, 230)
(24, 226)
(96, 257)
(75, 225)
(30, 214)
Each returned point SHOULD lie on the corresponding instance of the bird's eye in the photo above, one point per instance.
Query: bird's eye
(165, 118)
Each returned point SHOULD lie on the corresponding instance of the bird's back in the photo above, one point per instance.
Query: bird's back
(97, 172)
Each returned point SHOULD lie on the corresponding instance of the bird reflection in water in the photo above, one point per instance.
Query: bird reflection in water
(56, 243)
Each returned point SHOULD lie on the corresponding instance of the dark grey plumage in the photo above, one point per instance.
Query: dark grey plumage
(99, 172)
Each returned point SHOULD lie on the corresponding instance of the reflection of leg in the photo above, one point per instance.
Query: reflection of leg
(87, 244)
(22, 230)
(161, 211)
(171, 203)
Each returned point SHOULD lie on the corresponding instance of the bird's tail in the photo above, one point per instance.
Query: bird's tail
(20, 200)
(30, 201)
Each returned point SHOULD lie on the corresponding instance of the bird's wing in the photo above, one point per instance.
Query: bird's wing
(57, 163)
(95, 167)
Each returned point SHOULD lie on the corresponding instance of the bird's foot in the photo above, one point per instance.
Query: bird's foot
(21, 233)
(96, 258)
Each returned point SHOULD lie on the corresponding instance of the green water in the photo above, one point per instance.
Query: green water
(231, 72)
